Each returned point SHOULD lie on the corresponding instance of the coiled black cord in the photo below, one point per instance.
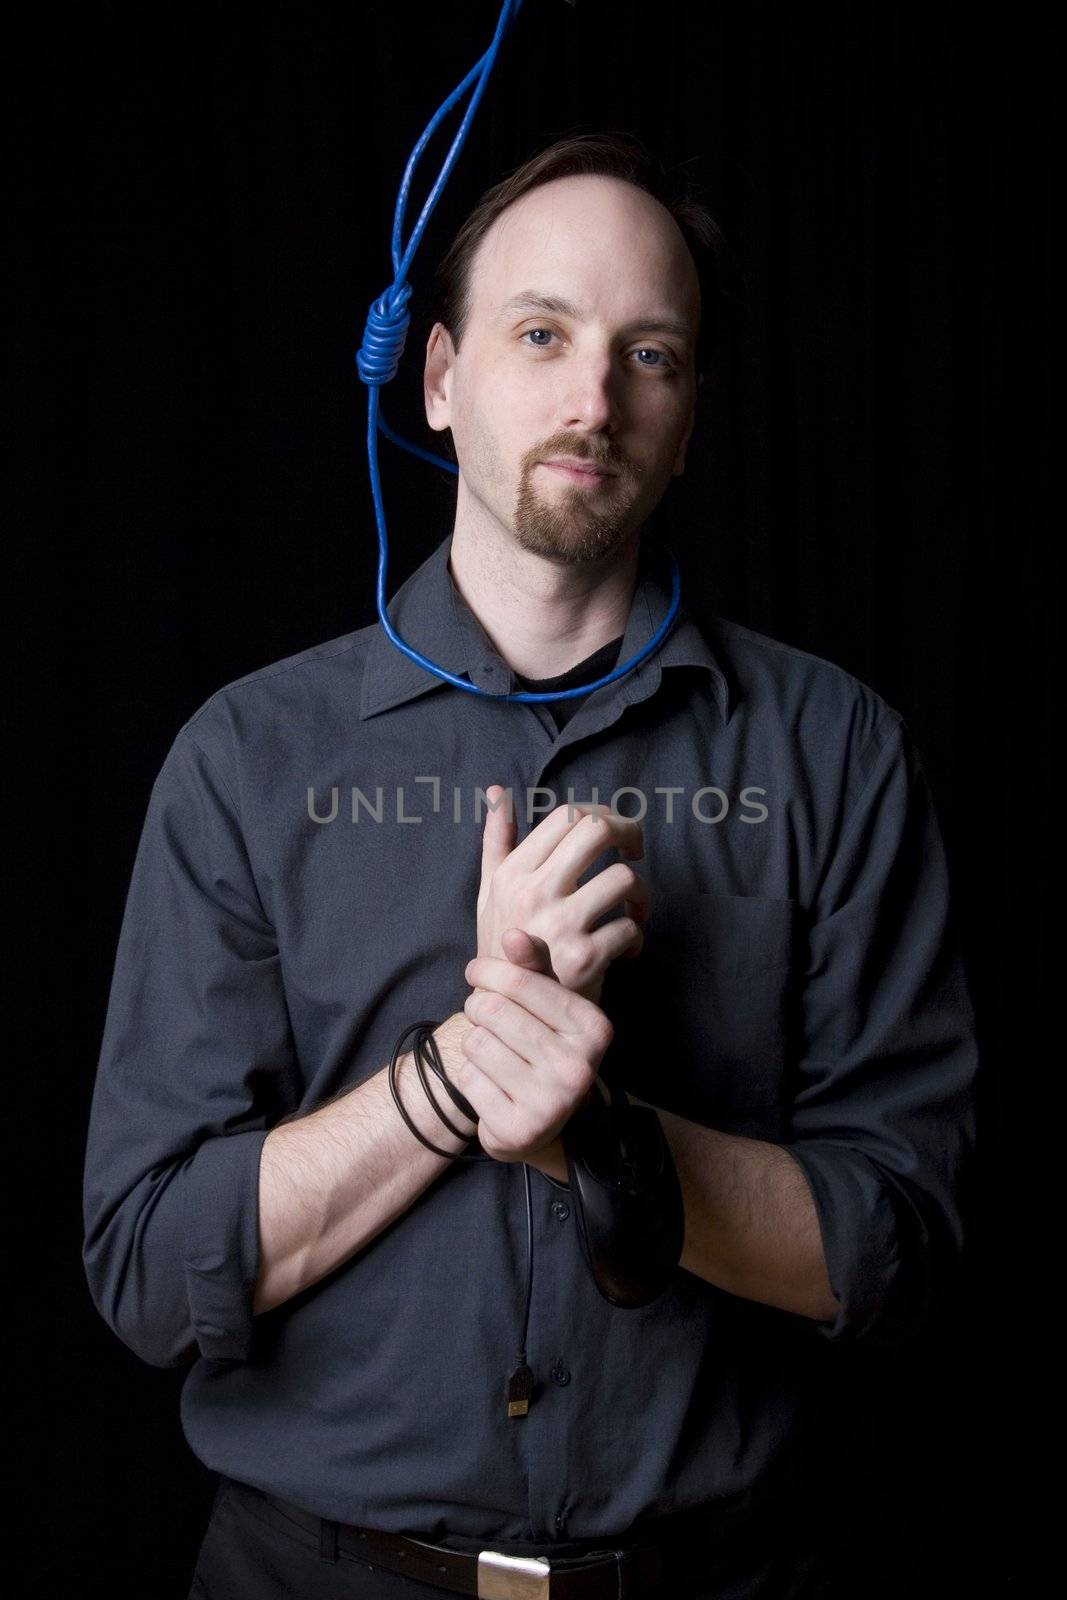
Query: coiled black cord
(426, 1053)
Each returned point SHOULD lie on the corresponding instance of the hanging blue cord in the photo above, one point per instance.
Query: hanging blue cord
(379, 355)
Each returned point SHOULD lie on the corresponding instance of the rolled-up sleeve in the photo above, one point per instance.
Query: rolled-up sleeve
(883, 1118)
(195, 1041)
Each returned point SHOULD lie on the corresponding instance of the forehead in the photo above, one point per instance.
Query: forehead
(599, 244)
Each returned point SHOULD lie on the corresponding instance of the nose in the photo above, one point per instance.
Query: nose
(589, 397)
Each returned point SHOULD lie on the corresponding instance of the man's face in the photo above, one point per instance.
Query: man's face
(598, 382)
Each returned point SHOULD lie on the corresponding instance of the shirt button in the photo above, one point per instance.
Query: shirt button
(560, 1375)
(560, 1521)
(560, 1210)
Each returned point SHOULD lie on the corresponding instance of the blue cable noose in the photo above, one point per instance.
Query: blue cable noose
(378, 358)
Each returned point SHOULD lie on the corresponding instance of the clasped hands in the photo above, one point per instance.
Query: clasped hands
(539, 1035)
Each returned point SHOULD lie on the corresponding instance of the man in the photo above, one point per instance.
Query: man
(779, 980)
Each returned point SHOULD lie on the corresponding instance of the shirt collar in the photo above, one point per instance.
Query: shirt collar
(431, 616)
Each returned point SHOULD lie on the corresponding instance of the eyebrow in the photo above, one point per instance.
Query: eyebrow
(555, 305)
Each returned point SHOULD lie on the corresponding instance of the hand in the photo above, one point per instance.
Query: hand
(532, 1056)
(525, 951)
(533, 886)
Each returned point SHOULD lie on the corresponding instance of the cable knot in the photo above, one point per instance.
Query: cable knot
(387, 325)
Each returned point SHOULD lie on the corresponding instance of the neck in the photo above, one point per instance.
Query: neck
(543, 618)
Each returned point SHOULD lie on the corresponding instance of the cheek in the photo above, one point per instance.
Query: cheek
(488, 382)
(486, 401)
(482, 437)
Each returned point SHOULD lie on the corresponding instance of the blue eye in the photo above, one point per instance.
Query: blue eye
(664, 362)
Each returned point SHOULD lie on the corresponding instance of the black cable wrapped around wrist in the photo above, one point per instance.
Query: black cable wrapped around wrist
(426, 1052)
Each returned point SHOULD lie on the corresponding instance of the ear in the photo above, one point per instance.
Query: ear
(437, 378)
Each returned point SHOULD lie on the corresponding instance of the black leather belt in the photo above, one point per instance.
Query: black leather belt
(603, 1574)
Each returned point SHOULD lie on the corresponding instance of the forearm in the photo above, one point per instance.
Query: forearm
(750, 1222)
(329, 1182)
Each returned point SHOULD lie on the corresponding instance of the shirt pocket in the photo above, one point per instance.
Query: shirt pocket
(702, 1015)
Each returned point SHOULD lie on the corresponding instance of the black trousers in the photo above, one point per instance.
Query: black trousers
(252, 1551)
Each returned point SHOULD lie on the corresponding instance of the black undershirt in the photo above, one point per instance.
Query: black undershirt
(594, 666)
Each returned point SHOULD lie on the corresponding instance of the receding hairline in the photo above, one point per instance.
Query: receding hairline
(553, 304)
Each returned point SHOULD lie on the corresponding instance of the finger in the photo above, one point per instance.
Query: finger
(498, 830)
(542, 841)
(500, 1117)
(618, 884)
(505, 1069)
(580, 846)
(532, 1082)
(491, 1104)
(531, 1040)
(527, 950)
(538, 845)
(594, 952)
(545, 997)
(622, 936)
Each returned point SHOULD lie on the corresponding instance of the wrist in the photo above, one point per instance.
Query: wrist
(448, 1037)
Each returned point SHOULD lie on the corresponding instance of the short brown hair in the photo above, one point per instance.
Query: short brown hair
(612, 155)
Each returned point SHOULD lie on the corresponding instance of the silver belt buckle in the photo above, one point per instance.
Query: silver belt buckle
(503, 1577)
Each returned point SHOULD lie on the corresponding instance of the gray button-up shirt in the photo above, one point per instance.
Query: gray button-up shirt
(305, 888)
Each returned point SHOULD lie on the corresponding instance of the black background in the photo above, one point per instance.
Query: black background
(204, 214)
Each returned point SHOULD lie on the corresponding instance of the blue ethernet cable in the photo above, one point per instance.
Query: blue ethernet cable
(379, 355)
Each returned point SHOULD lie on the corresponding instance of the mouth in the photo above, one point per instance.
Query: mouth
(590, 477)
